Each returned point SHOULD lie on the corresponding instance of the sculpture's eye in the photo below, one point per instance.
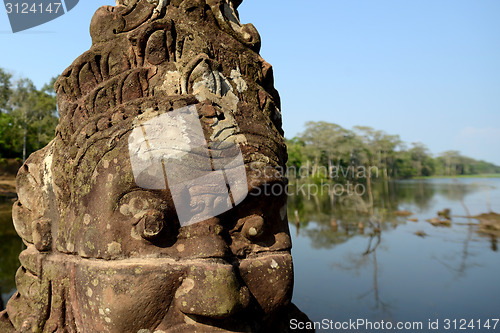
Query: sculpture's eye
(146, 213)
(150, 224)
(263, 211)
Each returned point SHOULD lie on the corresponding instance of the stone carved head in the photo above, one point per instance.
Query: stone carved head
(149, 211)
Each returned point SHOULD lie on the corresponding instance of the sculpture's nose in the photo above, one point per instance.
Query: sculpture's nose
(203, 240)
(211, 290)
(211, 287)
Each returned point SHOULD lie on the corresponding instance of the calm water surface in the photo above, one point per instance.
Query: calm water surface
(396, 275)
(393, 275)
(10, 247)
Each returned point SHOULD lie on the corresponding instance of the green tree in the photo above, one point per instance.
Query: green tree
(382, 148)
(5, 90)
(29, 120)
(387, 145)
(10, 136)
(45, 117)
(449, 161)
(296, 154)
(23, 102)
(327, 144)
(367, 154)
(421, 160)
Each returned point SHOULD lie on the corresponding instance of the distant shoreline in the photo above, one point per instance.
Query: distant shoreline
(8, 183)
(489, 175)
(7, 188)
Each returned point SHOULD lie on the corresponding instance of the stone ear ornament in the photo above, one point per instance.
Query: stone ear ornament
(227, 15)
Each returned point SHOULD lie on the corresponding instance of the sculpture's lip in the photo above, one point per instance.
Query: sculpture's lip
(263, 254)
(188, 328)
(233, 259)
(229, 260)
(239, 324)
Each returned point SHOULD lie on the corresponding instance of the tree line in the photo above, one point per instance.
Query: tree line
(329, 147)
(28, 116)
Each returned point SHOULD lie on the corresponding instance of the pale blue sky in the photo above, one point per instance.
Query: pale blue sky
(428, 70)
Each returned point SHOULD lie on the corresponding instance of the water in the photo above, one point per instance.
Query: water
(396, 275)
(10, 247)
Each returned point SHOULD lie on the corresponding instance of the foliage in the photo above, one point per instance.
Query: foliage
(326, 150)
(5, 89)
(28, 116)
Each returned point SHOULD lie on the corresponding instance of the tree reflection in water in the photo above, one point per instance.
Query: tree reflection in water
(350, 211)
(10, 247)
(330, 221)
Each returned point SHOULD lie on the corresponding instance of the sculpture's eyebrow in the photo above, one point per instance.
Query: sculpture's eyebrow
(119, 199)
(144, 193)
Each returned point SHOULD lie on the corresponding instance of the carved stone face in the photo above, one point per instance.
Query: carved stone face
(214, 272)
(151, 210)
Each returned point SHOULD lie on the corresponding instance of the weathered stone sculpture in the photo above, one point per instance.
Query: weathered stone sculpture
(148, 211)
